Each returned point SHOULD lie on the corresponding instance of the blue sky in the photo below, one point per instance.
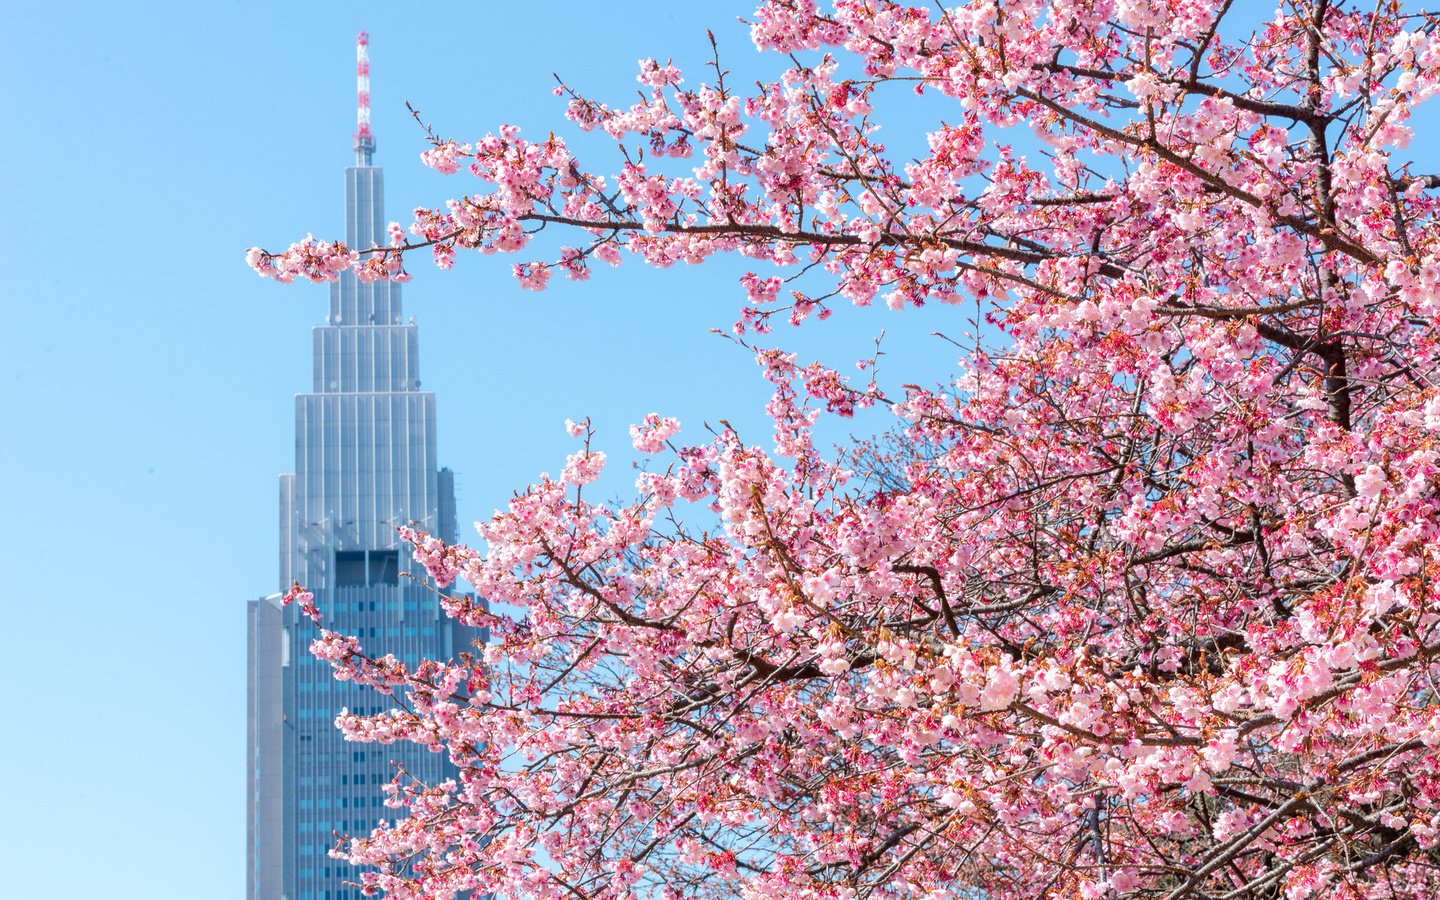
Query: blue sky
(148, 375)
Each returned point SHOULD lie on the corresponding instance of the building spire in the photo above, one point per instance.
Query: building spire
(364, 140)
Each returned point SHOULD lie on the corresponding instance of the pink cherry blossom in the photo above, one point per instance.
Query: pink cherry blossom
(1138, 601)
(652, 435)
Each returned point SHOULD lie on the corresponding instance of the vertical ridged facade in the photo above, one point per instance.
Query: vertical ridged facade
(365, 463)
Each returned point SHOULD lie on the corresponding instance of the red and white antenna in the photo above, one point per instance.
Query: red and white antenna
(364, 140)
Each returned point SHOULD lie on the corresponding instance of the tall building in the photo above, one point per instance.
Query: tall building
(365, 462)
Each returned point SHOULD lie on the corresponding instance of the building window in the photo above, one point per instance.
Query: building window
(384, 567)
(350, 568)
(357, 568)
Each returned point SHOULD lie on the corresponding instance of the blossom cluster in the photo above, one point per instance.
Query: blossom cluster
(1140, 601)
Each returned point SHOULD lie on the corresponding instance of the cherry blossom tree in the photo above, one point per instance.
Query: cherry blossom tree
(1139, 601)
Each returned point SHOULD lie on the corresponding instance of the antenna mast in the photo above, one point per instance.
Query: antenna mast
(364, 140)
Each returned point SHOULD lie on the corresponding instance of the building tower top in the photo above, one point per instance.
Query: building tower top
(364, 140)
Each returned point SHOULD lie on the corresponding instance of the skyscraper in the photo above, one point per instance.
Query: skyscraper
(365, 463)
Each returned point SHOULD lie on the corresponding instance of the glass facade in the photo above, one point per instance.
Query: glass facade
(364, 464)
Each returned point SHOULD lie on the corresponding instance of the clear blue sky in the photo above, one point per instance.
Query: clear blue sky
(148, 374)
